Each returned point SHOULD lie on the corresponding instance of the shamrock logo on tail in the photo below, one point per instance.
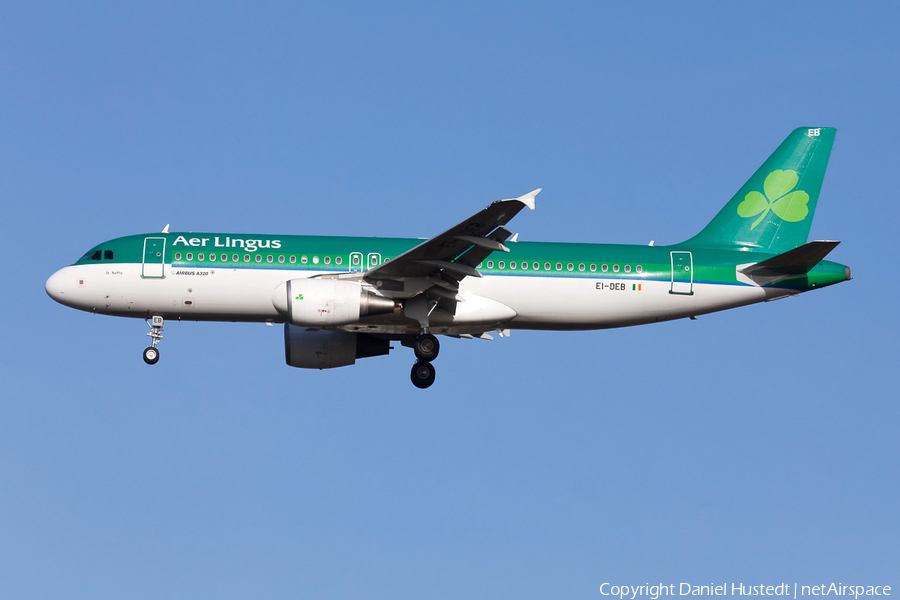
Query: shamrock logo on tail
(788, 205)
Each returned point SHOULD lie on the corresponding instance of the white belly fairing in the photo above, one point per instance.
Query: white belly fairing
(245, 294)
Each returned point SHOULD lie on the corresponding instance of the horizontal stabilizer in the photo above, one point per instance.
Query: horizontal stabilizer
(793, 262)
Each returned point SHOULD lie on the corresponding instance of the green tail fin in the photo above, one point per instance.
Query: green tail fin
(774, 209)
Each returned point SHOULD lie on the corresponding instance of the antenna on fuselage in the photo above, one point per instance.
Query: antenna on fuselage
(165, 229)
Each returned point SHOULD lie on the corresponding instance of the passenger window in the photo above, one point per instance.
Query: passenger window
(559, 266)
(339, 260)
(303, 259)
(293, 259)
(512, 265)
(501, 264)
(327, 260)
(604, 268)
(259, 258)
(581, 267)
(537, 266)
(546, 266)
(639, 269)
(615, 268)
(490, 264)
(178, 256)
(570, 267)
(200, 256)
(281, 258)
(107, 255)
(315, 260)
(189, 256)
(524, 265)
(235, 258)
(246, 258)
(212, 257)
(95, 255)
(628, 268)
(269, 258)
(593, 268)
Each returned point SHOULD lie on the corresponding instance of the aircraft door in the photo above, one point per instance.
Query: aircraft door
(356, 262)
(154, 258)
(682, 273)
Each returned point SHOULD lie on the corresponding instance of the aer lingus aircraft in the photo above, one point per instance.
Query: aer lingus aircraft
(344, 298)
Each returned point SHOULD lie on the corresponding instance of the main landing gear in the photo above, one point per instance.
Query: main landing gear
(426, 347)
(151, 354)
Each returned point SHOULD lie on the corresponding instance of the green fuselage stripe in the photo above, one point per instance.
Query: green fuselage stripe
(644, 263)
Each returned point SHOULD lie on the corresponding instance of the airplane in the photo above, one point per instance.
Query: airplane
(345, 298)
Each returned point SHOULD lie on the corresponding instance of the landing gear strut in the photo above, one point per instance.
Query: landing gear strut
(151, 354)
(426, 347)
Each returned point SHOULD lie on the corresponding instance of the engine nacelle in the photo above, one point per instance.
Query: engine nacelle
(327, 302)
(324, 349)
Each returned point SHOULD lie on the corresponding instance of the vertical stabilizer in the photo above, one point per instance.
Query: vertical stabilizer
(774, 210)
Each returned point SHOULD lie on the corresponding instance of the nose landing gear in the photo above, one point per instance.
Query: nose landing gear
(426, 347)
(151, 354)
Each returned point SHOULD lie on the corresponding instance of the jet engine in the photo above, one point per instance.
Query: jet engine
(324, 349)
(327, 302)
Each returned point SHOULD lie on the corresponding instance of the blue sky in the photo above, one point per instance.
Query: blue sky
(757, 445)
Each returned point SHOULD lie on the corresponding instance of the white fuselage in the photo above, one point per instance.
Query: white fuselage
(524, 301)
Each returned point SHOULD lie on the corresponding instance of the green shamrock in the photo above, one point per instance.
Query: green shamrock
(299, 297)
(788, 205)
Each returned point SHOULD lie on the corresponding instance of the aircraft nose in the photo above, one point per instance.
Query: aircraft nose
(56, 286)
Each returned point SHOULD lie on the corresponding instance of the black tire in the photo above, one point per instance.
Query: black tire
(151, 355)
(422, 375)
(426, 347)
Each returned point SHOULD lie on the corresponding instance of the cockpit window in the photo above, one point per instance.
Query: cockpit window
(107, 255)
(95, 255)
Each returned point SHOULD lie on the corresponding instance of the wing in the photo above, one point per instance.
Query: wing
(435, 267)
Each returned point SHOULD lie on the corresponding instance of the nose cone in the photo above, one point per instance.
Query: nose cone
(56, 286)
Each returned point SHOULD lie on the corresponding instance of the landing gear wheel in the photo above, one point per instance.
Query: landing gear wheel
(422, 375)
(426, 347)
(151, 355)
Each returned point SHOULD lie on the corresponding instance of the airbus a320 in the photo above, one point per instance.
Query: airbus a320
(345, 298)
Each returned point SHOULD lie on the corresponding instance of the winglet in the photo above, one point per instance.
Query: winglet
(528, 199)
(165, 229)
